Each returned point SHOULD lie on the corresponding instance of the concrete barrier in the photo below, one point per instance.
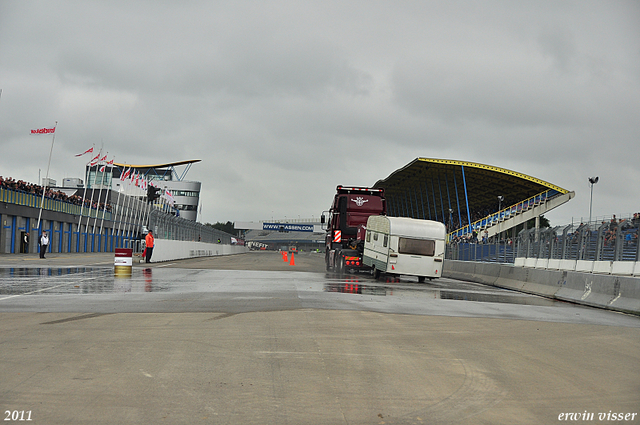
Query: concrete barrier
(567, 265)
(542, 263)
(628, 298)
(486, 273)
(602, 267)
(584, 266)
(553, 264)
(167, 250)
(543, 282)
(623, 267)
(512, 277)
(613, 292)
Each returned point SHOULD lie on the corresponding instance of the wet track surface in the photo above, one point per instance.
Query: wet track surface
(250, 339)
(165, 290)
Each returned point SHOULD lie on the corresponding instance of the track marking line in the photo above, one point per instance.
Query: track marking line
(51, 287)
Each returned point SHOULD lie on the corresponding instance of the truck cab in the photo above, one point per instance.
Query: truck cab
(345, 223)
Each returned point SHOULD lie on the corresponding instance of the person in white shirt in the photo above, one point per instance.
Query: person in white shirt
(44, 244)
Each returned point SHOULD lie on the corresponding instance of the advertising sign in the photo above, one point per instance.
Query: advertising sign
(287, 227)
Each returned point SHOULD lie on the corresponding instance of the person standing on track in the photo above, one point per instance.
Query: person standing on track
(44, 244)
(149, 246)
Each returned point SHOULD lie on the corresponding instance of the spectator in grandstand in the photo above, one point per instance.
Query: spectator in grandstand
(630, 237)
(614, 223)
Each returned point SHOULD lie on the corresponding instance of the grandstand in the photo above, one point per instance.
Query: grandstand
(469, 197)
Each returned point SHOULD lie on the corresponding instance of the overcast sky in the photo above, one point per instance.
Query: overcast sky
(284, 100)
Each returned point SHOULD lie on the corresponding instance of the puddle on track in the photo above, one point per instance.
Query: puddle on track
(101, 280)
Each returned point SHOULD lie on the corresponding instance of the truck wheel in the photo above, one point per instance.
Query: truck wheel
(376, 273)
(340, 266)
(326, 262)
(421, 279)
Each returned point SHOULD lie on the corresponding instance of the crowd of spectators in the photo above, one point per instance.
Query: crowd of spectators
(25, 187)
(628, 230)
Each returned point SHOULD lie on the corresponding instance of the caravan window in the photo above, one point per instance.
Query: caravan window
(417, 247)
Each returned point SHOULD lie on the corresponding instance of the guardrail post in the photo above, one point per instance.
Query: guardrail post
(617, 256)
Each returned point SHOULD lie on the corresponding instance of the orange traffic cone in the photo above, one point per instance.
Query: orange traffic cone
(284, 256)
(293, 261)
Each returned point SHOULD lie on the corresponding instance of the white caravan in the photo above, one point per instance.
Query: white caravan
(404, 246)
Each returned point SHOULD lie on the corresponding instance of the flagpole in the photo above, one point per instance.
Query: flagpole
(120, 207)
(115, 217)
(93, 188)
(46, 178)
(84, 193)
(104, 211)
(95, 221)
(124, 203)
(139, 214)
(126, 211)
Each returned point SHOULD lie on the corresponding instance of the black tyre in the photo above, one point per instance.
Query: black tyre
(340, 266)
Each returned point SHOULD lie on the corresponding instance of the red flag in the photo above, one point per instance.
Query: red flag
(126, 173)
(104, 166)
(90, 150)
(94, 161)
(43, 130)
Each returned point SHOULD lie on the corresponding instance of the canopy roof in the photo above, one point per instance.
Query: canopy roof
(436, 185)
(168, 164)
(164, 171)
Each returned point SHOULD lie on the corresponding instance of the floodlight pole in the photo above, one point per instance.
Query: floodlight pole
(500, 199)
(592, 181)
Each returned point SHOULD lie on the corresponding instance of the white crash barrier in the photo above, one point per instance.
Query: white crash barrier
(610, 291)
(167, 250)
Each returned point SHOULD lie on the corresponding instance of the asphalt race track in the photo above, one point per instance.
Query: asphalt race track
(251, 339)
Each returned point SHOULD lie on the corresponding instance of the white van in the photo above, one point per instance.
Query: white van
(404, 246)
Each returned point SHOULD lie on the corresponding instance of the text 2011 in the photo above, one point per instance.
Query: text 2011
(17, 415)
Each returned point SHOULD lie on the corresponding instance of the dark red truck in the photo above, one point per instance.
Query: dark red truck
(346, 223)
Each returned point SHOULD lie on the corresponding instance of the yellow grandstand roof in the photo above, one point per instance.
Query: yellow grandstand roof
(439, 184)
(168, 164)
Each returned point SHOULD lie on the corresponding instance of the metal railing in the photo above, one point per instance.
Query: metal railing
(594, 241)
(124, 227)
(18, 197)
(505, 213)
(167, 226)
(604, 241)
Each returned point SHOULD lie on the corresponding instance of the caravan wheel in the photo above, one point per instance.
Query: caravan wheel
(376, 273)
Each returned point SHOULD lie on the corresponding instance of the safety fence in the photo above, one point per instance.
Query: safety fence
(18, 197)
(83, 229)
(609, 240)
(605, 241)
